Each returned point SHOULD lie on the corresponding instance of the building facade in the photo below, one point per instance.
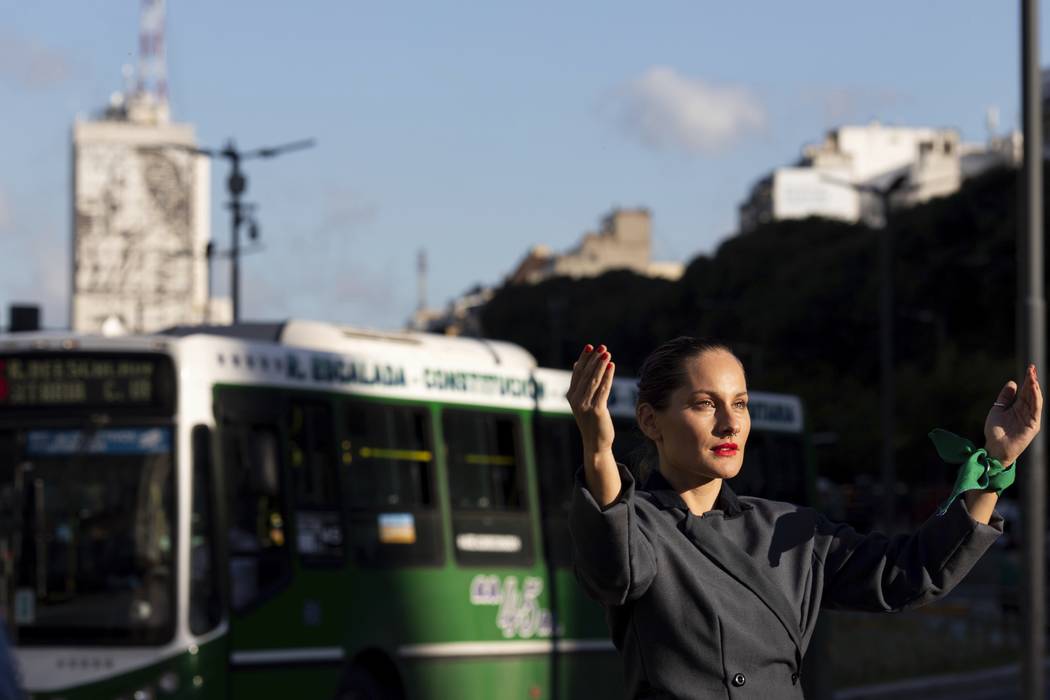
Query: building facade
(141, 222)
(623, 241)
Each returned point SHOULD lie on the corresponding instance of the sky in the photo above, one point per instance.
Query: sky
(476, 130)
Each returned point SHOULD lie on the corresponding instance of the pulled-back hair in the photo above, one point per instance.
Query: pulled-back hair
(662, 372)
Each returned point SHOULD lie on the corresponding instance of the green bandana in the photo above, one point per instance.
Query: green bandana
(978, 470)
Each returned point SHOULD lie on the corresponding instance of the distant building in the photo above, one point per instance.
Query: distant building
(823, 183)
(142, 222)
(624, 242)
(462, 316)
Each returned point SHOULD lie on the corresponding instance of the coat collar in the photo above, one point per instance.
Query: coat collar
(666, 497)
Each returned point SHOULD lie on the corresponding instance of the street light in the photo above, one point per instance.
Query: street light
(240, 212)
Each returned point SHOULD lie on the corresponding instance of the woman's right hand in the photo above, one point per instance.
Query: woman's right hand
(588, 396)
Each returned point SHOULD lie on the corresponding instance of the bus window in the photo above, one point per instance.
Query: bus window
(559, 453)
(312, 461)
(389, 461)
(258, 551)
(205, 599)
(490, 517)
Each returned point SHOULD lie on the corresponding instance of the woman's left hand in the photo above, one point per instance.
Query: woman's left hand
(1014, 419)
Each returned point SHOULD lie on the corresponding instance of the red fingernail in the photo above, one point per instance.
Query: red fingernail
(601, 348)
(588, 347)
(605, 356)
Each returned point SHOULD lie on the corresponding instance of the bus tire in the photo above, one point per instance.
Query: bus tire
(359, 684)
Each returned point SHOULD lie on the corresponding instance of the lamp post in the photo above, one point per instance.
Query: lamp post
(1031, 347)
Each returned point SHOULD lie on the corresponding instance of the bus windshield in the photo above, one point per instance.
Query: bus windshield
(90, 535)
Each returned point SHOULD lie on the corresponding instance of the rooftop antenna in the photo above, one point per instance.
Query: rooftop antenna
(991, 122)
(421, 270)
(153, 70)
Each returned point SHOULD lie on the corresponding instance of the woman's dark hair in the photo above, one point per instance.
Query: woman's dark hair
(662, 372)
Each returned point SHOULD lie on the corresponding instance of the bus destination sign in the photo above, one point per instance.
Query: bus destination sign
(87, 381)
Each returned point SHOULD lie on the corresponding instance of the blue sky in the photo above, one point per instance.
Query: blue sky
(476, 130)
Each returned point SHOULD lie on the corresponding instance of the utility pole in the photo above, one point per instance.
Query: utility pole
(236, 184)
(1031, 347)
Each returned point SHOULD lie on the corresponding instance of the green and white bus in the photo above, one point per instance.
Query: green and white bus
(305, 510)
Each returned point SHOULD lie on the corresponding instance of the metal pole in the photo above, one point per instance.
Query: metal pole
(1033, 349)
(235, 184)
(889, 475)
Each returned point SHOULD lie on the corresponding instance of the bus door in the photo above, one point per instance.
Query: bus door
(284, 536)
(258, 560)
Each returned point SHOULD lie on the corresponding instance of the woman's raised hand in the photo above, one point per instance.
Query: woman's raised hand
(1015, 418)
(588, 395)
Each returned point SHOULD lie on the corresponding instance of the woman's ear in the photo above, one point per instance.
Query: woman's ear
(646, 417)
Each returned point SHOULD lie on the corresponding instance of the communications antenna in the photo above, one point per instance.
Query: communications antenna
(153, 70)
(421, 278)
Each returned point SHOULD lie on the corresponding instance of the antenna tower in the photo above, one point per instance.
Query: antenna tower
(421, 278)
(153, 69)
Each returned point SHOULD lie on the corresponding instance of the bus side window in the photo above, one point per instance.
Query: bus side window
(486, 475)
(318, 523)
(389, 462)
(559, 453)
(258, 550)
(205, 598)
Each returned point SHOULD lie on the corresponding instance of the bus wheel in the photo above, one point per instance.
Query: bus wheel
(359, 684)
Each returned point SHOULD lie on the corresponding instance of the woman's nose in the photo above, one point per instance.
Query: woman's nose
(728, 427)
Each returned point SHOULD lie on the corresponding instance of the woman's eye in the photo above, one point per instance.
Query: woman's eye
(704, 404)
(741, 405)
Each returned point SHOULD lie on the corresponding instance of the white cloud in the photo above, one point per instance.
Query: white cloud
(669, 111)
(30, 65)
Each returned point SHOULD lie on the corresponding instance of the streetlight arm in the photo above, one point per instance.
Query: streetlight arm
(271, 151)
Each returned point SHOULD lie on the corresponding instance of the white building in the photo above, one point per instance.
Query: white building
(930, 163)
(141, 222)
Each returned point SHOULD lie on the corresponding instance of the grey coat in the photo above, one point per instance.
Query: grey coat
(723, 605)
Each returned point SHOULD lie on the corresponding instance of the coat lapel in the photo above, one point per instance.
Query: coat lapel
(734, 561)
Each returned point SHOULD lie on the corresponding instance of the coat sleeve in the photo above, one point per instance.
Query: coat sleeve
(879, 573)
(612, 554)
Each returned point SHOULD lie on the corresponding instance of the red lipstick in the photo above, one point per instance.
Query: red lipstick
(726, 449)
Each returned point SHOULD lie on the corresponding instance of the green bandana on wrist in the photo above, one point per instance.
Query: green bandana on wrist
(978, 470)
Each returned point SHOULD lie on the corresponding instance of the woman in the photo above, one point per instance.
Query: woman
(708, 594)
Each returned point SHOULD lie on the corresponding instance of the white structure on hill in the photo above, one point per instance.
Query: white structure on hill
(934, 162)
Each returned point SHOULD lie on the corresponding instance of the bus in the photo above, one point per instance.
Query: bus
(303, 509)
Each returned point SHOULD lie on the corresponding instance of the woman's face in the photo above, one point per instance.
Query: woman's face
(702, 432)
